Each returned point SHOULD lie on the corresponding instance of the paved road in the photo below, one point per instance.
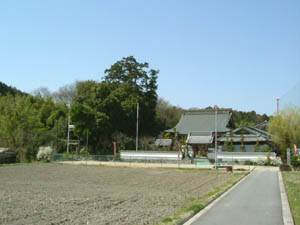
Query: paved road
(255, 201)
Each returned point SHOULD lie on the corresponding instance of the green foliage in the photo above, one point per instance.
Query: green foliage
(167, 115)
(285, 129)
(295, 161)
(266, 148)
(242, 146)
(248, 118)
(109, 107)
(228, 145)
(27, 122)
(196, 208)
(256, 146)
(123, 141)
(7, 90)
(292, 183)
(167, 220)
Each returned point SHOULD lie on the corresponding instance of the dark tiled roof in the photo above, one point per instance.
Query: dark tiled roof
(203, 121)
(247, 138)
(253, 135)
(262, 126)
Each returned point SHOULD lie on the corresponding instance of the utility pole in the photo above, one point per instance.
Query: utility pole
(277, 106)
(68, 144)
(87, 141)
(137, 127)
(216, 136)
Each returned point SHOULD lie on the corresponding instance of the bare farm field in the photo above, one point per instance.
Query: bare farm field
(69, 194)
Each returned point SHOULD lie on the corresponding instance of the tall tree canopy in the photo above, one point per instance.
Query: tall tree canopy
(110, 106)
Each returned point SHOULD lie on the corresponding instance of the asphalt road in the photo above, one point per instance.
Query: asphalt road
(255, 201)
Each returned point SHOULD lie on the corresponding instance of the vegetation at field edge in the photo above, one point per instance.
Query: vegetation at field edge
(196, 205)
(292, 186)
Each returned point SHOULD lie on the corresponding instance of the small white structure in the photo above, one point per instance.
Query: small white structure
(150, 155)
(44, 153)
(242, 156)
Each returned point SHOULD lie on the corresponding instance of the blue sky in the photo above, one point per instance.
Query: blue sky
(233, 53)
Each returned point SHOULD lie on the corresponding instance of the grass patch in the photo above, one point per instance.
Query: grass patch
(167, 220)
(196, 205)
(292, 186)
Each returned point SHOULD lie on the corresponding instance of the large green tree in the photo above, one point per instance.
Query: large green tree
(109, 107)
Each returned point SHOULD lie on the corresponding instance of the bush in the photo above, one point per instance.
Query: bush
(285, 167)
(295, 161)
(275, 162)
(248, 163)
(44, 153)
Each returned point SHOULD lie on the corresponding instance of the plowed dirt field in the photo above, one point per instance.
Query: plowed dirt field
(68, 194)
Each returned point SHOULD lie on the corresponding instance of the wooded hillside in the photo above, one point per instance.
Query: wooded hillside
(5, 89)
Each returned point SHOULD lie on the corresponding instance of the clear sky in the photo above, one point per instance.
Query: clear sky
(233, 53)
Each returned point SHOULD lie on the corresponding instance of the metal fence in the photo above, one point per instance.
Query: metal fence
(223, 158)
(124, 157)
(81, 157)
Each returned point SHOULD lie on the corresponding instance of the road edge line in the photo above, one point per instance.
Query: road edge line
(215, 201)
(286, 210)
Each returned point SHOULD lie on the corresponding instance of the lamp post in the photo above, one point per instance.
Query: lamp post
(216, 136)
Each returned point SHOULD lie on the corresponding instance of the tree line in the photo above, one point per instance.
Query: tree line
(104, 111)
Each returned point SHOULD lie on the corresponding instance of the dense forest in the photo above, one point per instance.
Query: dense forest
(103, 111)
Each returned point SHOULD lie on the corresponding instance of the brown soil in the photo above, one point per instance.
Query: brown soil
(68, 194)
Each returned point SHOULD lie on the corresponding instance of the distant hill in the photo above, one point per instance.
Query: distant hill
(5, 90)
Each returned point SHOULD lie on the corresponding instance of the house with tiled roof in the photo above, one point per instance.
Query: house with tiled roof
(248, 139)
(200, 128)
